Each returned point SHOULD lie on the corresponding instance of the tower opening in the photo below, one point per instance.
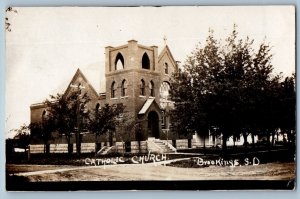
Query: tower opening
(145, 61)
(119, 62)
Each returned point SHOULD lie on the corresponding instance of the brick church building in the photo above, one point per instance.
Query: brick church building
(138, 77)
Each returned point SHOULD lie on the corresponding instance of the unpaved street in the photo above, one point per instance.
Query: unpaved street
(270, 171)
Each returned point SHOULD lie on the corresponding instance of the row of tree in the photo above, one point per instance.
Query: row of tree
(229, 88)
(69, 115)
(225, 87)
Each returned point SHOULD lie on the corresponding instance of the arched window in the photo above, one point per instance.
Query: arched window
(124, 88)
(119, 62)
(79, 88)
(164, 90)
(166, 68)
(145, 61)
(113, 90)
(97, 107)
(151, 88)
(142, 87)
(44, 114)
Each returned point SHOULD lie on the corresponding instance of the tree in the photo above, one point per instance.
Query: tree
(183, 97)
(228, 87)
(68, 114)
(129, 129)
(287, 104)
(105, 119)
(22, 137)
(42, 130)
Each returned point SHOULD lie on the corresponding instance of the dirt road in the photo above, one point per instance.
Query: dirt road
(120, 172)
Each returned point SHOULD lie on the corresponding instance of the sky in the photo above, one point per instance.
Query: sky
(46, 45)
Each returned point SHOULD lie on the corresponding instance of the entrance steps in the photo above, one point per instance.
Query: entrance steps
(104, 150)
(160, 146)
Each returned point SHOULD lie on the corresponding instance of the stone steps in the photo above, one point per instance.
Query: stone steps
(104, 150)
(165, 148)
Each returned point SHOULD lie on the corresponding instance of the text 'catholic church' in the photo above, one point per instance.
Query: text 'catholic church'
(138, 77)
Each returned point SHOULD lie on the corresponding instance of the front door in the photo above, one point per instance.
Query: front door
(153, 124)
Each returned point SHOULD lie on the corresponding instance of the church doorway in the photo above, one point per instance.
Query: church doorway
(153, 124)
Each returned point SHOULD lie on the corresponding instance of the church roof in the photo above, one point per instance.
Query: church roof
(92, 72)
(147, 105)
(166, 50)
(89, 74)
(78, 74)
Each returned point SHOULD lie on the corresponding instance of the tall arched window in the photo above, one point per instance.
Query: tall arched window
(142, 87)
(124, 88)
(145, 61)
(113, 90)
(166, 68)
(119, 62)
(151, 88)
(164, 90)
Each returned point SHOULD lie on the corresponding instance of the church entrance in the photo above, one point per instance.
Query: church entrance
(153, 125)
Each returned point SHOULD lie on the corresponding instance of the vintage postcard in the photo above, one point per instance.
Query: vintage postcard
(150, 98)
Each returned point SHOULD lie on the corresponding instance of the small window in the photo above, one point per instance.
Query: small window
(44, 113)
(166, 68)
(145, 61)
(124, 88)
(97, 107)
(119, 62)
(113, 90)
(142, 87)
(79, 88)
(151, 88)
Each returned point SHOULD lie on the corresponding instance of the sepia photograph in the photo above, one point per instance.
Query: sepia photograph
(150, 98)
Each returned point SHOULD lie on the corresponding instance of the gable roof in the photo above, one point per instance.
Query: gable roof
(166, 50)
(147, 105)
(80, 74)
